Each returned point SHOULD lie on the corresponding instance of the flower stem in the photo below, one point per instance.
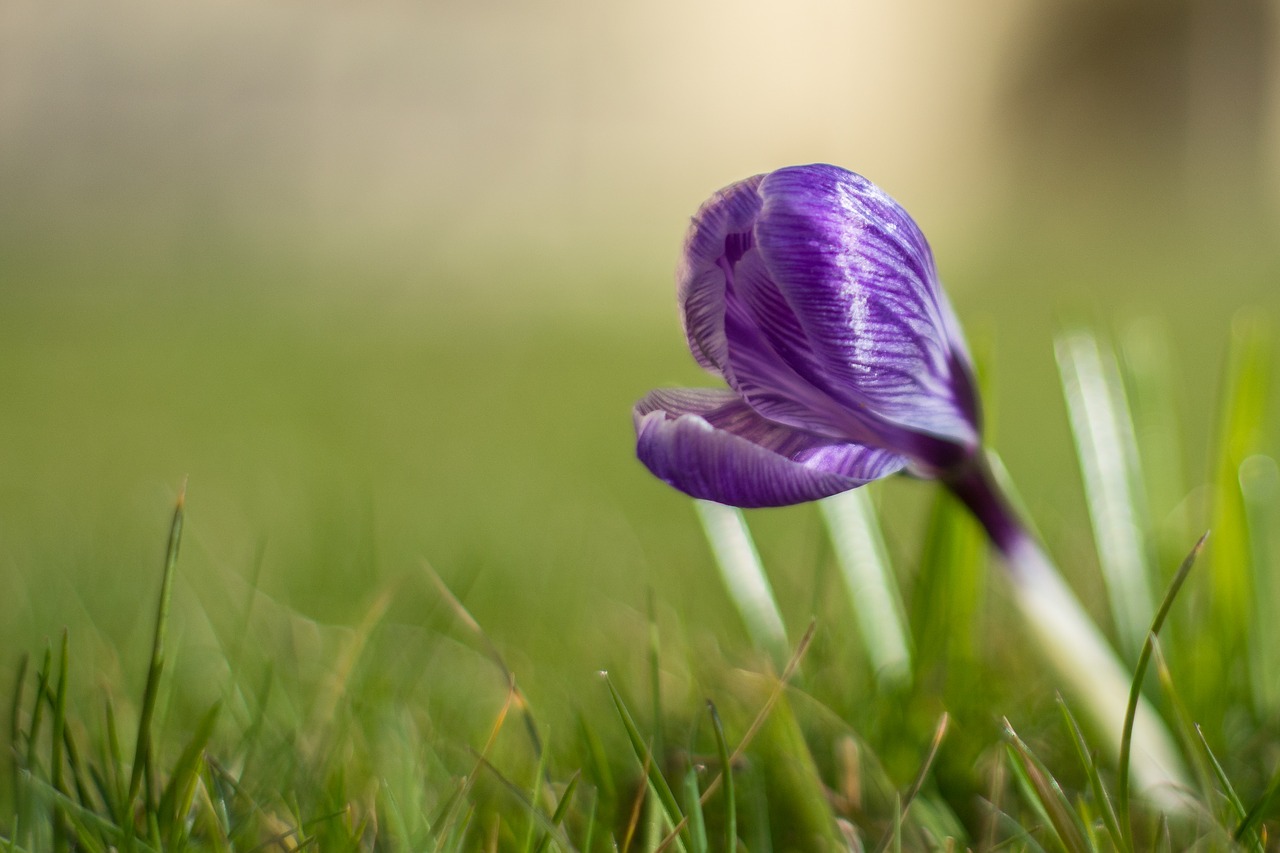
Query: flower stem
(1084, 660)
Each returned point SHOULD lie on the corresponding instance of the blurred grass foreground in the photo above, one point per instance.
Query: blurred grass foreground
(381, 283)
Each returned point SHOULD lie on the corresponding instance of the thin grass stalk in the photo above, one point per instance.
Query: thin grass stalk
(1103, 429)
(744, 577)
(1135, 690)
(922, 774)
(60, 841)
(873, 593)
(726, 773)
(143, 759)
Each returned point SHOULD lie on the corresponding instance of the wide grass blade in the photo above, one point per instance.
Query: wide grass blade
(873, 592)
(744, 577)
(180, 791)
(1259, 480)
(947, 605)
(1103, 429)
(1231, 601)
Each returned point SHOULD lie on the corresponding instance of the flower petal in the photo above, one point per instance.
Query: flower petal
(859, 275)
(712, 445)
(719, 232)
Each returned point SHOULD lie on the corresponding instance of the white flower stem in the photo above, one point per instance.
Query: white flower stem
(1091, 674)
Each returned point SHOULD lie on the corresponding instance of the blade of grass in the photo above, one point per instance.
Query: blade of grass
(548, 825)
(726, 773)
(693, 809)
(744, 577)
(645, 757)
(922, 775)
(1246, 831)
(143, 759)
(1135, 690)
(1150, 367)
(1259, 483)
(562, 810)
(873, 593)
(1243, 412)
(948, 597)
(15, 722)
(114, 761)
(464, 616)
(654, 826)
(58, 727)
(1103, 429)
(1046, 794)
(179, 792)
(775, 696)
(1089, 761)
(1224, 782)
(1185, 728)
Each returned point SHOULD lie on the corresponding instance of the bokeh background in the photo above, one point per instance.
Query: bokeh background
(380, 282)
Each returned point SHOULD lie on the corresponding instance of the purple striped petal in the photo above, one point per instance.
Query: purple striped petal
(712, 445)
(719, 233)
(859, 277)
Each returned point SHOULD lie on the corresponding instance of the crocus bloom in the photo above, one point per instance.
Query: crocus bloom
(813, 295)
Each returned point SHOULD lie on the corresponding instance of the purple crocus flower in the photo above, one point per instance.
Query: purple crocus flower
(814, 296)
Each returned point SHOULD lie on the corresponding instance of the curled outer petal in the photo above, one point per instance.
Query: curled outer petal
(712, 445)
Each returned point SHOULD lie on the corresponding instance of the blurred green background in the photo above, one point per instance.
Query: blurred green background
(384, 279)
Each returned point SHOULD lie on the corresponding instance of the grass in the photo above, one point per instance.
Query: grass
(308, 681)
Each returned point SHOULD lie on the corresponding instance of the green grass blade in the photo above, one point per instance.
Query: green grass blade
(1224, 781)
(547, 825)
(873, 592)
(1243, 414)
(562, 810)
(922, 775)
(1103, 429)
(58, 727)
(37, 710)
(1246, 831)
(744, 577)
(143, 759)
(15, 722)
(1135, 690)
(1259, 480)
(1047, 795)
(693, 809)
(113, 785)
(946, 606)
(1149, 367)
(644, 755)
(726, 773)
(1088, 760)
(179, 792)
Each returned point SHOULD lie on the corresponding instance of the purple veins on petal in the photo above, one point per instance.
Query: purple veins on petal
(721, 227)
(859, 276)
(712, 445)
